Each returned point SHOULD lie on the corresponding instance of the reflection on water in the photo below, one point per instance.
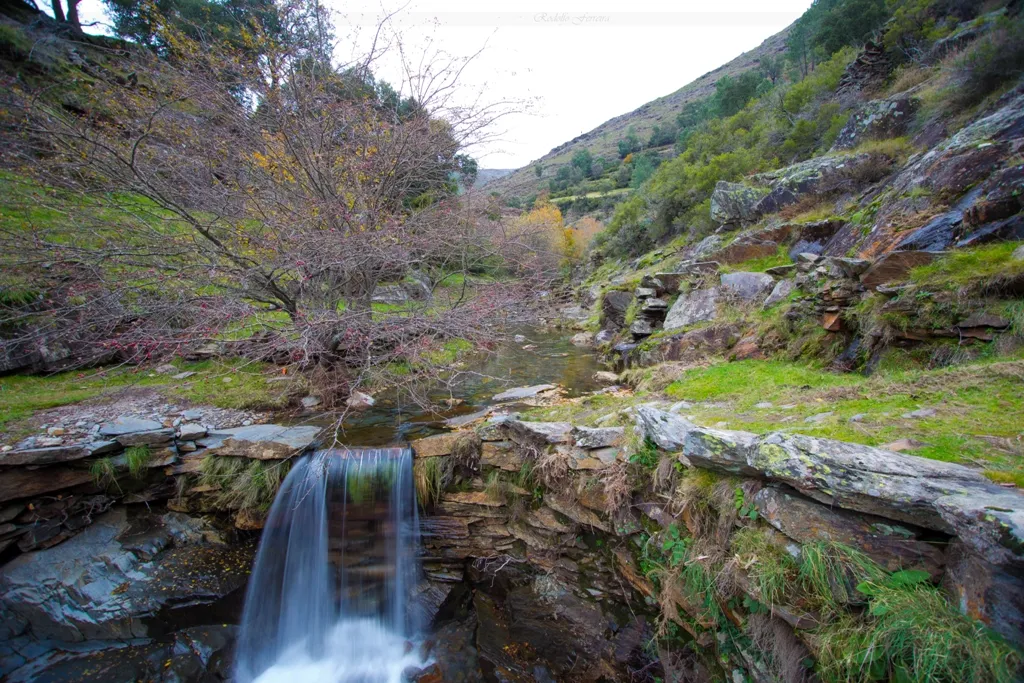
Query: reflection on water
(549, 358)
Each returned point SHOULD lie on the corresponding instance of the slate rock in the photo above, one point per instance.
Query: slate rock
(261, 442)
(781, 292)
(598, 437)
(43, 456)
(747, 286)
(127, 424)
(692, 308)
(894, 266)
(520, 393)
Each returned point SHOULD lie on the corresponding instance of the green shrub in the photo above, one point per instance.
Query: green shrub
(137, 459)
(991, 61)
(14, 44)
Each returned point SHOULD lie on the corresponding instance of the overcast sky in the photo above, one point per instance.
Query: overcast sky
(579, 62)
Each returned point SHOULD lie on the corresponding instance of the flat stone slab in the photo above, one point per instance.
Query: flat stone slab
(537, 432)
(598, 437)
(261, 442)
(523, 392)
(435, 446)
(128, 425)
(43, 456)
(154, 438)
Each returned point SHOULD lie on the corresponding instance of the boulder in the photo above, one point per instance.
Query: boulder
(717, 449)
(692, 308)
(987, 592)
(390, 294)
(613, 309)
(733, 203)
(606, 377)
(812, 177)
(520, 393)
(747, 286)
(261, 442)
(436, 445)
(779, 293)
(641, 328)
(894, 266)
(877, 120)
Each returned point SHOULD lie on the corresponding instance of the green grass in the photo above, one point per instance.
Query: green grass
(103, 472)
(972, 270)
(591, 195)
(770, 567)
(829, 573)
(233, 383)
(972, 401)
(759, 265)
(911, 633)
(137, 459)
(243, 484)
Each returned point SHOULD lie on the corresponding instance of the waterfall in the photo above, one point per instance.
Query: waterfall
(327, 600)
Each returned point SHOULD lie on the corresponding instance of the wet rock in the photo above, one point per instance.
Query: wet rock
(357, 400)
(613, 309)
(520, 393)
(100, 583)
(894, 266)
(604, 336)
(780, 293)
(261, 442)
(747, 286)
(310, 402)
(692, 308)
(734, 203)
(598, 437)
(891, 545)
(1008, 229)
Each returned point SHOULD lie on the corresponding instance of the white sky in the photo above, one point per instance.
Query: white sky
(581, 62)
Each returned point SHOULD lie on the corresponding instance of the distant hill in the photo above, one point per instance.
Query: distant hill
(603, 140)
(488, 175)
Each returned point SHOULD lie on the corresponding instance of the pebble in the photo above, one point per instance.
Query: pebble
(921, 413)
(247, 423)
(859, 417)
(820, 417)
(788, 406)
(227, 380)
(55, 431)
(4, 449)
(763, 405)
(681, 405)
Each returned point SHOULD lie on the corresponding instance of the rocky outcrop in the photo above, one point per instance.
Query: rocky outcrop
(877, 119)
(101, 584)
(613, 309)
(734, 203)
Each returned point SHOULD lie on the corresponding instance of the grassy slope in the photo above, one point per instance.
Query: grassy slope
(603, 140)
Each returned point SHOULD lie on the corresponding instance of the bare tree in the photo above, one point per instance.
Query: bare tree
(264, 188)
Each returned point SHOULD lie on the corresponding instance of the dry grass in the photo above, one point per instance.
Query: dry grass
(784, 653)
(618, 487)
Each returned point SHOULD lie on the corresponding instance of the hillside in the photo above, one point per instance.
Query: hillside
(602, 141)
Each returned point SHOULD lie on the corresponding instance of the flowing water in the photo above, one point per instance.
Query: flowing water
(328, 598)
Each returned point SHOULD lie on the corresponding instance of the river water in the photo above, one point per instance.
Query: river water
(539, 356)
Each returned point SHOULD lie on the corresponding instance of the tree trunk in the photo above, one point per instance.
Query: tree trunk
(76, 25)
(58, 11)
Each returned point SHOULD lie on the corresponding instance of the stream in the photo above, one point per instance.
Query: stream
(541, 356)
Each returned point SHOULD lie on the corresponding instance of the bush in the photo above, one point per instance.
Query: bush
(991, 61)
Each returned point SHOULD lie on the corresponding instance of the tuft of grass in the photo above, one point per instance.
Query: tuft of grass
(911, 633)
(243, 484)
(734, 380)
(103, 472)
(829, 573)
(759, 265)
(137, 458)
(771, 569)
(432, 476)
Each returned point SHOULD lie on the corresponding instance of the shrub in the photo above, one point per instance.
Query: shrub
(992, 60)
